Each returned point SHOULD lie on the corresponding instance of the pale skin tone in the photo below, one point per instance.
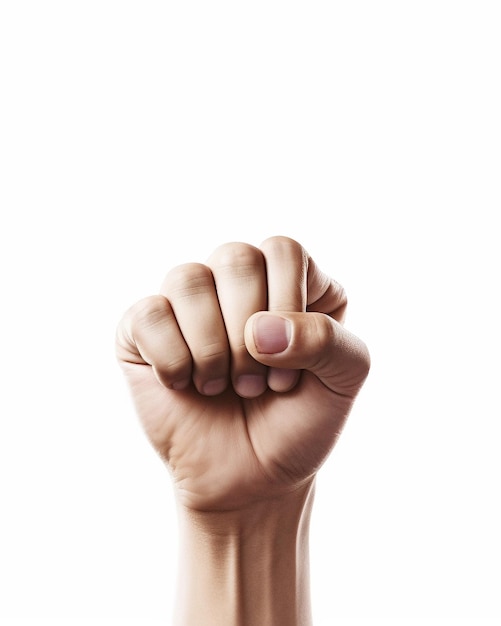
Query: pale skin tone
(243, 375)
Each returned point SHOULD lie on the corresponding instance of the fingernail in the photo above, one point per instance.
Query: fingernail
(282, 380)
(250, 385)
(271, 334)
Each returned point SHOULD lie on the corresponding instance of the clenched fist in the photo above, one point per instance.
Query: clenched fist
(242, 372)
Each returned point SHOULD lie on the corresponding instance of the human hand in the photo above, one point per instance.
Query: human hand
(242, 372)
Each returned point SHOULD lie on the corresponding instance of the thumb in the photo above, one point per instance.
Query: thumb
(309, 341)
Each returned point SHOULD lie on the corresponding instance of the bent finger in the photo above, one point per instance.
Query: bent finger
(240, 279)
(148, 334)
(191, 292)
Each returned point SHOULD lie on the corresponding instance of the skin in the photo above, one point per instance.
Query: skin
(243, 375)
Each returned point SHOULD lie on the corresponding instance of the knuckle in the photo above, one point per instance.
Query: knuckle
(210, 357)
(188, 279)
(285, 250)
(177, 366)
(211, 353)
(149, 312)
(280, 243)
(237, 259)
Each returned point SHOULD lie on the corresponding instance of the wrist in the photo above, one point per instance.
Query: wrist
(247, 567)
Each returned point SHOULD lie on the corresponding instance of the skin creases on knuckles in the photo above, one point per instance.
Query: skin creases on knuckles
(191, 291)
(240, 278)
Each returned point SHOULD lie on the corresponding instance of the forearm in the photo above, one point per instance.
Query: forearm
(247, 567)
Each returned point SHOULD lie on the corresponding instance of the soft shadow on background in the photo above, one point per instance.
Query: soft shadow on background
(139, 135)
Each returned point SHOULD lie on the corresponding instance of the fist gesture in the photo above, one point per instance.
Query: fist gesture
(242, 373)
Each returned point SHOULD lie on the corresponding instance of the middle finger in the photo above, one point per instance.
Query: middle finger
(240, 277)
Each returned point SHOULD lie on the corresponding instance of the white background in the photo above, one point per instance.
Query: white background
(135, 136)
